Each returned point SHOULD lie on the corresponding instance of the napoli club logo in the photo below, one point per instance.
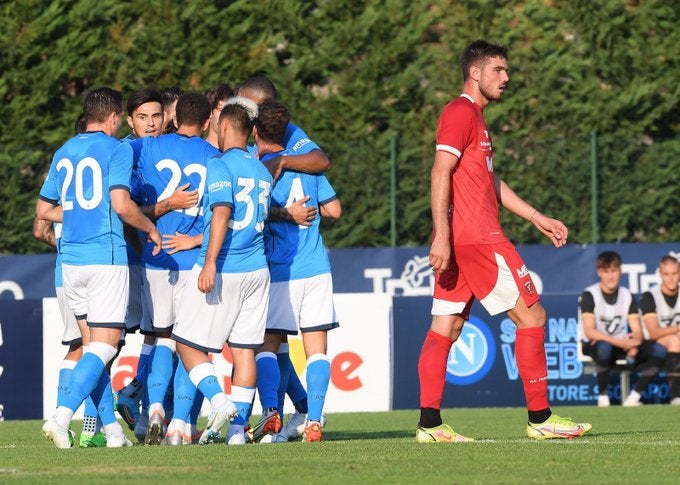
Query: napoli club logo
(473, 354)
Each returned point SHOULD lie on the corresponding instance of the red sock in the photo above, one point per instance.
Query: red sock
(432, 369)
(530, 357)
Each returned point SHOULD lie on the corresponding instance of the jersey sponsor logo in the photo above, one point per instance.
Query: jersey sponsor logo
(473, 354)
(612, 326)
(214, 187)
(523, 271)
(669, 322)
(489, 163)
(300, 143)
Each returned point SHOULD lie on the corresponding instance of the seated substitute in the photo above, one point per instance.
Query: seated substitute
(611, 330)
(661, 316)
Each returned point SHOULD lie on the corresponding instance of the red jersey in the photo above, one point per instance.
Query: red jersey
(462, 132)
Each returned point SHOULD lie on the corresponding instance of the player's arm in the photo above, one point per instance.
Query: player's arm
(331, 209)
(181, 198)
(440, 200)
(181, 242)
(49, 211)
(130, 213)
(554, 229)
(219, 224)
(296, 213)
(44, 231)
(314, 161)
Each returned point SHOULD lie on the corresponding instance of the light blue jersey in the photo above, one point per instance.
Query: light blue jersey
(82, 173)
(295, 251)
(163, 164)
(295, 141)
(238, 180)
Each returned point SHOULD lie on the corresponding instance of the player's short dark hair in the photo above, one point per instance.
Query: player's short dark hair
(100, 103)
(80, 126)
(668, 259)
(221, 92)
(272, 120)
(608, 259)
(238, 117)
(142, 96)
(170, 95)
(261, 85)
(478, 52)
(193, 109)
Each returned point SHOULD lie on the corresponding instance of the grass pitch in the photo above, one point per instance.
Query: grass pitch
(631, 445)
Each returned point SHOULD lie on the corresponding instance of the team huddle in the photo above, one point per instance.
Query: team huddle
(196, 242)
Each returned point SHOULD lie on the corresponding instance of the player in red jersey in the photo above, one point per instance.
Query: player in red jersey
(472, 258)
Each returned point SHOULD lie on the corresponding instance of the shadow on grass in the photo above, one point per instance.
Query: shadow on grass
(368, 435)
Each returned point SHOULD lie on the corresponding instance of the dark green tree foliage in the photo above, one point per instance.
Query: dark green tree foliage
(357, 74)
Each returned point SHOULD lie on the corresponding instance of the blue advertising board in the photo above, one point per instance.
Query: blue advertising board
(481, 369)
(21, 362)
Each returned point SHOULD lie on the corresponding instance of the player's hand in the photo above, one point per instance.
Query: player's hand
(206, 278)
(155, 237)
(178, 242)
(440, 254)
(631, 344)
(555, 230)
(301, 215)
(182, 198)
(275, 165)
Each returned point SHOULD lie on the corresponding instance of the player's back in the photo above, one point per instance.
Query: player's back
(295, 251)
(91, 233)
(165, 163)
(239, 180)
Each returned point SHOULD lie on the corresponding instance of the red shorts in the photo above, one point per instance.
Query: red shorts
(495, 274)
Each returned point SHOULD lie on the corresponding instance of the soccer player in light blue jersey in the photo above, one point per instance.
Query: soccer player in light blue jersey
(303, 155)
(227, 297)
(87, 189)
(145, 118)
(76, 335)
(301, 292)
(164, 163)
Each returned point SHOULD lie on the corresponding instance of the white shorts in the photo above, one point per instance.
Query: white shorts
(135, 311)
(97, 293)
(234, 312)
(306, 304)
(163, 290)
(72, 333)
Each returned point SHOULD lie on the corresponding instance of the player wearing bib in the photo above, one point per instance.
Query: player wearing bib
(90, 181)
(164, 163)
(661, 315)
(301, 292)
(609, 328)
(227, 296)
(472, 258)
